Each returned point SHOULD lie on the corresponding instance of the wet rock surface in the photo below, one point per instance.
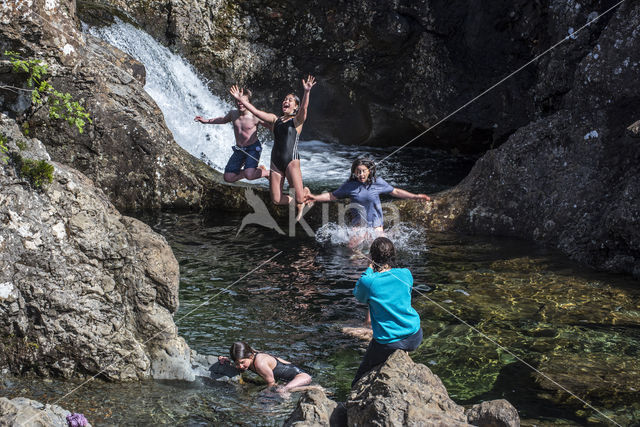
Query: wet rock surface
(400, 392)
(83, 289)
(26, 412)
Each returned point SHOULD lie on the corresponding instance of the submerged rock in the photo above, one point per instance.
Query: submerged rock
(400, 392)
(84, 290)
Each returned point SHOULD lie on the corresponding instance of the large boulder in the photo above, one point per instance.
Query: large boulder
(84, 290)
(400, 392)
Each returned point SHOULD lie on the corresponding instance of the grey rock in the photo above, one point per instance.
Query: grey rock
(21, 411)
(316, 409)
(495, 413)
(400, 392)
(84, 290)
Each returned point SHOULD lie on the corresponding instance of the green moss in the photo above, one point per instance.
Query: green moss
(22, 145)
(3, 148)
(38, 172)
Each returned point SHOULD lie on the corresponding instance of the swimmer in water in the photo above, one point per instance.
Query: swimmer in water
(285, 160)
(270, 368)
(364, 189)
(243, 163)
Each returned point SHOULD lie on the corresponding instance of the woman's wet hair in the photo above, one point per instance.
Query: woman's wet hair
(241, 350)
(370, 164)
(382, 252)
(247, 93)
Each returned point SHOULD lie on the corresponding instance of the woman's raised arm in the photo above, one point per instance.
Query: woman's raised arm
(236, 92)
(301, 115)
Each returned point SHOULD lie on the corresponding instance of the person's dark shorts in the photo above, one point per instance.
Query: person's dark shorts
(248, 157)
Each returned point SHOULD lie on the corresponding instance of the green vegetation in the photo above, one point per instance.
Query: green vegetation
(22, 145)
(3, 148)
(60, 104)
(38, 172)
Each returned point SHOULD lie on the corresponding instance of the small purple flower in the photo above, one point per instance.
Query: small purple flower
(76, 420)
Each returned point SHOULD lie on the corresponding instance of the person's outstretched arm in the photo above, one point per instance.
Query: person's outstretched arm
(324, 197)
(236, 92)
(404, 194)
(301, 115)
(217, 120)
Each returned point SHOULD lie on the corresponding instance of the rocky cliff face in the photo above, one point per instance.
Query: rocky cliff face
(127, 150)
(570, 179)
(83, 289)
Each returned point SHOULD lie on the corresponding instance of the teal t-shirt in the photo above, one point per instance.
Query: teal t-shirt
(389, 297)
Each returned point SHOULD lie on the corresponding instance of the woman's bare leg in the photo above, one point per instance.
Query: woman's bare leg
(294, 177)
(298, 381)
(276, 183)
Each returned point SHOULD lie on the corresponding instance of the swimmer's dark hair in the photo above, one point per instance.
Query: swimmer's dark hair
(247, 92)
(370, 164)
(382, 252)
(241, 350)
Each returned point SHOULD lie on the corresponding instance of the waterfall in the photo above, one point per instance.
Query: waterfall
(180, 93)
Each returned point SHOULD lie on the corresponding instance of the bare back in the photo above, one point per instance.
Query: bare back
(245, 128)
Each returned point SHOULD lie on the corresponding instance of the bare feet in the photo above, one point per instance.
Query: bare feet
(304, 206)
(264, 172)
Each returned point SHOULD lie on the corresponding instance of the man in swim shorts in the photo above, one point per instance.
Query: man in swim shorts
(246, 153)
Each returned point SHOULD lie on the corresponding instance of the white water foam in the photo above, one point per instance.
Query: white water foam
(179, 92)
(405, 237)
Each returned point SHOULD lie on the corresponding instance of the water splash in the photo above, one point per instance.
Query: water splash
(405, 237)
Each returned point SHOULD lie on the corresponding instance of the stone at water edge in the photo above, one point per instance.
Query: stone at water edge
(401, 392)
(494, 413)
(21, 411)
(316, 409)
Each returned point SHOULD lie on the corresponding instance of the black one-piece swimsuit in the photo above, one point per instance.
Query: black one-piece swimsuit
(285, 144)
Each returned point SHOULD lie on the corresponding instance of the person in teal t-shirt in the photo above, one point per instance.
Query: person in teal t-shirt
(387, 291)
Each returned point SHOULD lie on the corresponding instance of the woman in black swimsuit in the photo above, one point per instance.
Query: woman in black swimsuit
(285, 161)
(269, 367)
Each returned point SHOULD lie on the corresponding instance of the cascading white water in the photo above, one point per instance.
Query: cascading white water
(179, 92)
